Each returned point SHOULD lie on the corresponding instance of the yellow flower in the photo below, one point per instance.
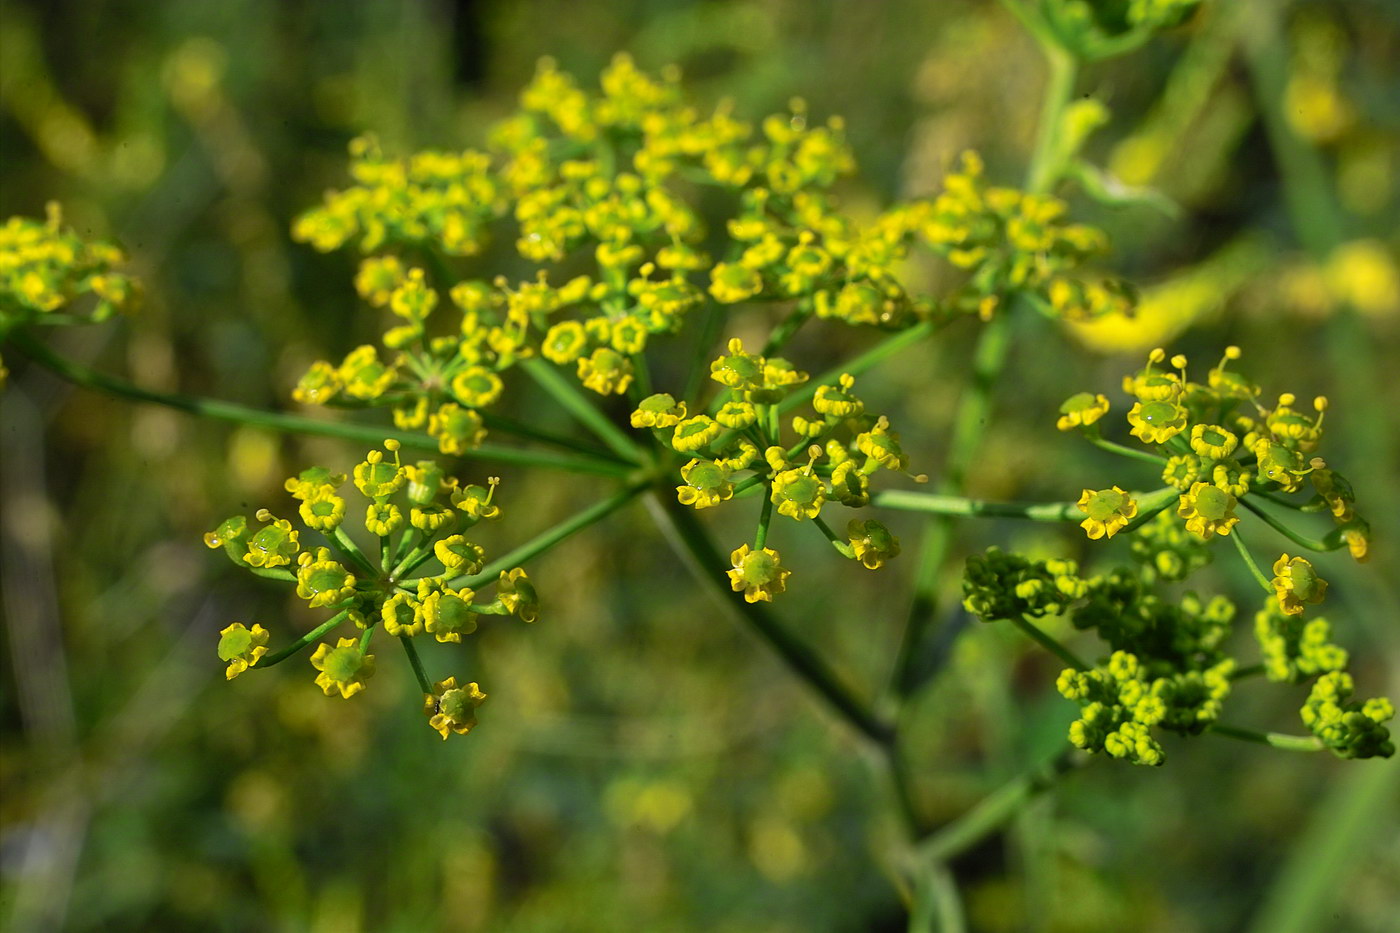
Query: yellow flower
(757, 574)
(457, 429)
(377, 279)
(838, 402)
(1081, 410)
(658, 411)
(694, 433)
(459, 555)
(447, 613)
(476, 386)
(343, 669)
(731, 283)
(322, 581)
(451, 708)
(273, 545)
(376, 478)
(881, 446)
(241, 647)
(1212, 441)
(1208, 510)
(364, 376)
(476, 502)
(402, 615)
(707, 484)
(383, 518)
(1109, 511)
(1296, 583)
(1358, 539)
(1156, 422)
(737, 415)
(1182, 470)
(319, 385)
(323, 510)
(564, 342)
(431, 518)
(872, 542)
(517, 594)
(737, 369)
(798, 494)
(606, 372)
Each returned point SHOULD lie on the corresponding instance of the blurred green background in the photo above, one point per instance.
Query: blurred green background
(642, 764)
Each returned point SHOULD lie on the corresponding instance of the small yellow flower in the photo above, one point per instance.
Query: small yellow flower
(1280, 464)
(402, 615)
(517, 594)
(1296, 583)
(1081, 410)
(431, 518)
(383, 518)
(1157, 422)
(458, 555)
(377, 279)
(849, 485)
(881, 446)
(363, 375)
(798, 494)
(322, 581)
(319, 385)
(872, 542)
(1208, 510)
(1358, 539)
(458, 430)
(273, 545)
(606, 372)
(323, 511)
(759, 575)
(342, 668)
(377, 478)
(1109, 511)
(242, 647)
(658, 411)
(476, 386)
(707, 484)
(747, 453)
(475, 501)
(564, 342)
(451, 708)
(737, 415)
(448, 613)
(1213, 442)
(731, 283)
(694, 433)
(838, 401)
(1182, 470)
(737, 369)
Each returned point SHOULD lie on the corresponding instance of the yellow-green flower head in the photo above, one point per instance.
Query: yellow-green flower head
(241, 647)
(1296, 583)
(475, 501)
(682, 257)
(707, 484)
(732, 282)
(426, 481)
(1213, 442)
(323, 511)
(383, 518)
(694, 433)
(517, 594)
(667, 301)
(872, 542)
(1336, 492)
(1358, 540)
(375, 477)
(737, 369)
(1348, 727)
(402, 615)
(1231, 477)
(322, 581)
(759, 575)
(364, 376)
(838, 401)
(319, 385)
(1109, 511)
(411, 415)
(606, 372)
(658, 411)
(798, 494)
(1081, 410)
(232, 535)
(451, 708)
(1182, 471)
(1293, 428)
(778, 375)
(1280, 464)
(312, 482)
(476, 387)
(273, 545)
(747, 453)
(1228, 384)
(1208, 510)
(881, 448)
(1156, 422)
(737, 415)
(629, 335)
(458, 430)
(474, 297)
(458, 555)
(564, 342)
(447, 613)
(343, 669)
(432, 518)
(378, 277)
(849, 485)
(413, 299)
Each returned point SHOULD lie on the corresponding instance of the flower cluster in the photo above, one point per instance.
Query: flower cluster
(1350, 728)
(416, 515)
(608, 175)
(999, 585)
(45, 267)
(739, 447)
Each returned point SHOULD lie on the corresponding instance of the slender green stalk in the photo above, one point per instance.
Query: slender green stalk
(842, 546)
(1123, 451)
(416, 663)
(710, 328)
(548, 539)
(270, 659)
(995, 809)
(1047, 162)
(1254, 570)
(577, 404)
(1048, 643)
(788, 328)
(81, 375)
(352, 550)
(1292, 743)
(504, 425)
(1312, 544)
(765, 518)
(690, 540)
(937, 904)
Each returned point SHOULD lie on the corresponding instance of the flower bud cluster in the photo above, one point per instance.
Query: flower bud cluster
(1350, 728)
(416, 515)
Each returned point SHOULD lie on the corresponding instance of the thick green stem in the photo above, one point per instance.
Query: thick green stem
(1292, 743)
(1048, 643)
(81, 375)
(577, 404)
(690, 540)
(548, 539)
(270, 659)
(995, 809)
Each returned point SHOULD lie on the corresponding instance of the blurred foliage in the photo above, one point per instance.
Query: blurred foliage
(644, 766)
